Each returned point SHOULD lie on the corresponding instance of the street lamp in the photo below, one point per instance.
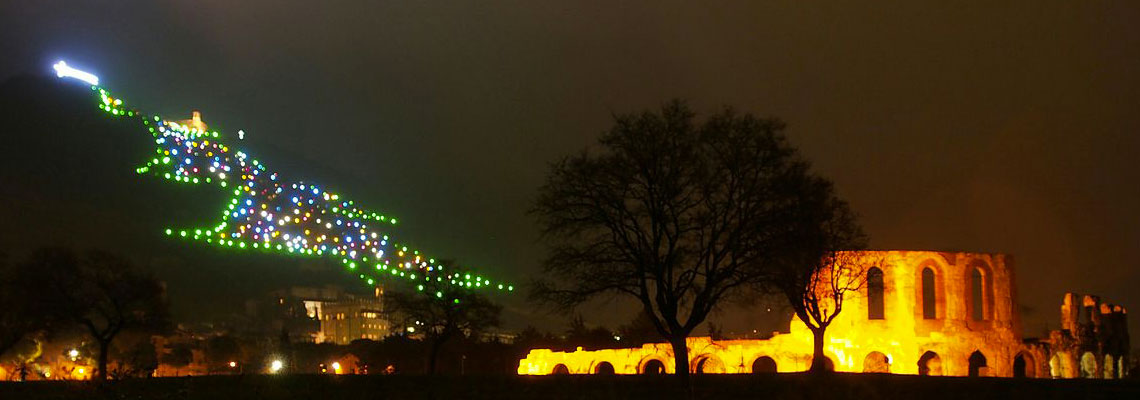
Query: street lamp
(276, 366)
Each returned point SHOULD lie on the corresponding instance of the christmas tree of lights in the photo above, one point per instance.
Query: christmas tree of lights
(269, 213)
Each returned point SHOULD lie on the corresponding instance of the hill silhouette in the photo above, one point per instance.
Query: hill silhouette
(67, 177)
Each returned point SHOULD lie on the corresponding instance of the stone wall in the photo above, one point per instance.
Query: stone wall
(970, 327)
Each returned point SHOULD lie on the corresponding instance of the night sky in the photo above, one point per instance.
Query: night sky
(1011, 128)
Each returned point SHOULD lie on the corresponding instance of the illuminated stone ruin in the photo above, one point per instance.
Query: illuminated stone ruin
(923, 312)
(1092, 342)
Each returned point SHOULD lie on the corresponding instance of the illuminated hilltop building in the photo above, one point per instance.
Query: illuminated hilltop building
(933, 313)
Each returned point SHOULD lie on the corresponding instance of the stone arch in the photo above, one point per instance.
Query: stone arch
(931, 299)
(1056, 368)
(1024, 366)
(560, 369)
(979, 292)
(1109, 367)
(604, 368)
(930, 364)
(652, 366)
(707, 364)
(1088, 365)
(978, 365)
(875, 288)
(764, 365)
(877, 362)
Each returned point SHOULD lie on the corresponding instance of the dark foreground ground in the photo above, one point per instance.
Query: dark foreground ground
(782, 386)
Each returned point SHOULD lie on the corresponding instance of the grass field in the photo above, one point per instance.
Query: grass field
(781, 386)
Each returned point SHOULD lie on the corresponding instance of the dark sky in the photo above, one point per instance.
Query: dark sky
(1011, 128)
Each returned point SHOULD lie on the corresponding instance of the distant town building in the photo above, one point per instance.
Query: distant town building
(352, 318)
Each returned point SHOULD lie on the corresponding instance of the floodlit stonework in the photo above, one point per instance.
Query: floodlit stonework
(923, 312)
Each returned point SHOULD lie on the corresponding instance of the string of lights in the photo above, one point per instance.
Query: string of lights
(268, 213)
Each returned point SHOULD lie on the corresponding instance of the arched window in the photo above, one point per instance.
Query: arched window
(875, 294)
(561, 369)
(929, 301)
(764, 365)
(604, 368)
(977, 295)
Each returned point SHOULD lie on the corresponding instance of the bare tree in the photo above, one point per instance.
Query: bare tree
(100, 292)
(675, 215)
(441, 311)
(820, 268)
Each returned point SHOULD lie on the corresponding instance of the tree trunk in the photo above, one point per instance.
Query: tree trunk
(818, 360)
(433, 355)
(681, 363)
(101, 369)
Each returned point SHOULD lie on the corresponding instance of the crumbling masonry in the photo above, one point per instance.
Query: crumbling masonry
(922, 312)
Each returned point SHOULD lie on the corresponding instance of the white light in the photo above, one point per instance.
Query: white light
(73, 353)
(275, 366)
(336, 366)
(411, 329)
(233, 364)
(241, 134)
(63, 70)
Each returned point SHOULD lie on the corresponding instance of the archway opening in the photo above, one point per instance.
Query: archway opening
(1088, 365)
(653, 367)
(1109, 367)
(978, 364)
(930, 364)
(1024, 366)
(709, 365)
(764, 365)
(877, 362)
(604, 368)
(560, 369)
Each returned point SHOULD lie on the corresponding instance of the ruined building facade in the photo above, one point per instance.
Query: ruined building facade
(921, 312)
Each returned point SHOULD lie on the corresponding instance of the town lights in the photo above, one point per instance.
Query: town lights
(336, 368)
(276, 366)
(233, 364)
(73, 353)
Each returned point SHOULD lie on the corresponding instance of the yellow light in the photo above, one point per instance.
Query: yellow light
(336, 367)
